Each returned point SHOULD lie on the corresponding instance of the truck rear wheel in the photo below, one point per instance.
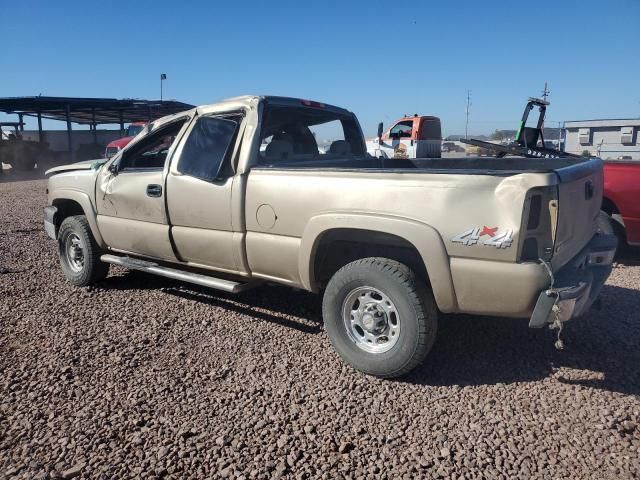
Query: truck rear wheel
(379, 316)
(79, 253)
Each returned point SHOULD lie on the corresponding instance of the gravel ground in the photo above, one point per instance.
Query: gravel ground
(145, 377)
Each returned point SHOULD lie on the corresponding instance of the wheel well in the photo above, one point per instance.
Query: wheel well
(66, 208)
(609, 207)
(338, 247)
(616, 221)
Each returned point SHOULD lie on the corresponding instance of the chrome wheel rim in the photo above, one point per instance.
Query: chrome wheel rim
(74, 252)
(371, 319)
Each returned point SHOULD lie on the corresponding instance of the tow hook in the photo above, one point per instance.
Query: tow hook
(554, 293)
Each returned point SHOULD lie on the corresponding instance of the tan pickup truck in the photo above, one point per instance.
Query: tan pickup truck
(240, 192)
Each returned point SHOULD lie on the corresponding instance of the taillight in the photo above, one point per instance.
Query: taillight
(539, 221)
(535, 209)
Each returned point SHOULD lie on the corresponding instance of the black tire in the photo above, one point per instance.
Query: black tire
(609, 226)
(90, 270)
(416, 308)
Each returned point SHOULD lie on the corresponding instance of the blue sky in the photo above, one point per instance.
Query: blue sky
(378, 59)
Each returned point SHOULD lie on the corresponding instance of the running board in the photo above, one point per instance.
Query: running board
(175, 274)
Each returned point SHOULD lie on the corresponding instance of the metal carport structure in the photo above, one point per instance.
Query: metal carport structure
(89, 111)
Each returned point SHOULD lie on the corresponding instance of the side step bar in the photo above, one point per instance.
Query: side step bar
(198, 279)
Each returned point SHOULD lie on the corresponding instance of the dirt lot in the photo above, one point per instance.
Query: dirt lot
(144, 377)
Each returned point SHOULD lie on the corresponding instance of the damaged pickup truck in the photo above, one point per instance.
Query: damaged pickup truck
(238, 193)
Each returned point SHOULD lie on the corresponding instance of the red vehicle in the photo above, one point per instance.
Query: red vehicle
(621, 198)
(132, 130)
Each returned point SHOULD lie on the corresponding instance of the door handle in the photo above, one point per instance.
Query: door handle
(154, 191)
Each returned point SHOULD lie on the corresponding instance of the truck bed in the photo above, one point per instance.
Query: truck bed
(470, 165)
(403, 187)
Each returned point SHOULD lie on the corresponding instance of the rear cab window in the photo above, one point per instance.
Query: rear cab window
(295, 136)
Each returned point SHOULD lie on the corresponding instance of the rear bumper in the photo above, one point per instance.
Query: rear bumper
(50, 221)
(576, 285)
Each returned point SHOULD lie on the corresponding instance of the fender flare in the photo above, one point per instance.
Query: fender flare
(84, 201)
(422, 236)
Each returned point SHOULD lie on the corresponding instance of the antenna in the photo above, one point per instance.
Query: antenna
(467, 109)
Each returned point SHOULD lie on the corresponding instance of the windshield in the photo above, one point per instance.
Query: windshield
(133, 130)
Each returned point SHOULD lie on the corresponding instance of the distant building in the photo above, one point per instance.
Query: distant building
(607, 139)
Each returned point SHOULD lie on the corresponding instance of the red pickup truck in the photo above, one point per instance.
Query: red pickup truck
(115, 146)
(621, 199)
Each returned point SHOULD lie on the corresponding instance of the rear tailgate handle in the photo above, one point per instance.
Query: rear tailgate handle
(154, 191)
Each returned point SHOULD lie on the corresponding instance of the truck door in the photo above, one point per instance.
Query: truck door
(130, 196)
(199, 193)
(400, 142)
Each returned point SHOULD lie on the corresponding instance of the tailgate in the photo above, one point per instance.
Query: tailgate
(579, 203)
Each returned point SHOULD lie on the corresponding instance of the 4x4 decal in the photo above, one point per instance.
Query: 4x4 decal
(496, 238)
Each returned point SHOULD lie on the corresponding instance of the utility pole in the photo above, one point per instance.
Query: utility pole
(468, 107)
(545, 92)
(163, 77)
(560, 136)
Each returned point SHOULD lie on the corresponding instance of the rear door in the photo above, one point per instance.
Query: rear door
(429, 138)
(130, 199)
(200, 185)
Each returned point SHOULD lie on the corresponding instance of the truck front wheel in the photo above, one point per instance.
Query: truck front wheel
(379, 316)
(79, 253)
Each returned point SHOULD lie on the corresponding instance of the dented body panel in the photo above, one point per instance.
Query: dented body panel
(77, 186)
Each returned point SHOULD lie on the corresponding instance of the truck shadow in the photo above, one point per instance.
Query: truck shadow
(601, 349)
(295, 309)
(9, 175)
(629, 256)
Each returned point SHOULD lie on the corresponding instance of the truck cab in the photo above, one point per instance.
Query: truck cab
(419, 136)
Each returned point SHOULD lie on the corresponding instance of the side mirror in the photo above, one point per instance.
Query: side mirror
(380, 130)
(113, 168)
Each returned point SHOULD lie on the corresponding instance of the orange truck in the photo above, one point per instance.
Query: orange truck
(419, 136)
